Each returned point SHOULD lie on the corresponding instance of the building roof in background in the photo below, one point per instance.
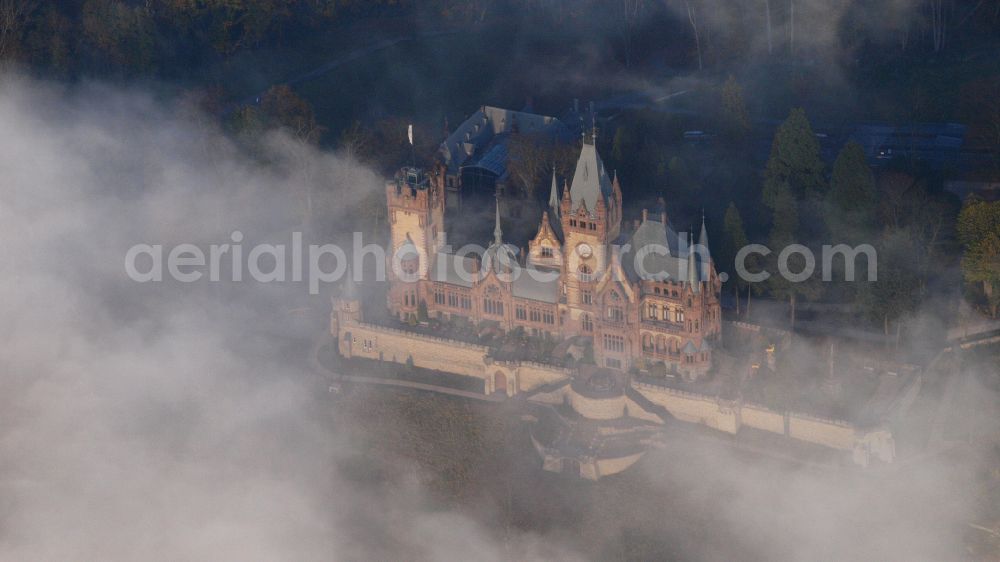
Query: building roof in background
(463, 146)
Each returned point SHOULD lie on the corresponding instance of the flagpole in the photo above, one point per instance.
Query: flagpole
(413, 157)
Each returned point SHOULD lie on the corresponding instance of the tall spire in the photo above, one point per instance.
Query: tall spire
(554, 196)
(497, 233)
(703, 237)
(349, 290)
(692, 266)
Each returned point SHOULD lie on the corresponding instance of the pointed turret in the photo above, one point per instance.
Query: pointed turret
(499, 256)
(554, 196)
(497, 233)
(703, 236)
(349, 290)
(692, 267)
(590, 180)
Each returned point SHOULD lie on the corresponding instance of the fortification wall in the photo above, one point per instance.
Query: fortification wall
(760, 417)
(689, 407)
(607, 467)
(598, 408)
(378, 342)
(533, 375)
(370, 341)
(830, 433)
(730, 417)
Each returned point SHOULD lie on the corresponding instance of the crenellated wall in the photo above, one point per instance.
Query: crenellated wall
(610, 408)
(358, 339)
(730, 416)
(370, 341)
(760, 417)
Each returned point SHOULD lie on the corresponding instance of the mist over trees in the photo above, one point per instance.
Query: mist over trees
(117, 36)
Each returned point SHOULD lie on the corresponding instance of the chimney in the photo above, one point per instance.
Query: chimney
(645, 214)
(576, 105)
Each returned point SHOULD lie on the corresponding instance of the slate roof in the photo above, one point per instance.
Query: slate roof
(590, 181)
(528, 287)
(454, 270)
(480, 129)
(649, 242)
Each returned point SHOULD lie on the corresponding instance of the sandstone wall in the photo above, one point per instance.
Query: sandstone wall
(761, 418)
(730, 417)
(689, 407)
(387, 344)
(377, 342)
(607, 467)
(598, 409)
(533, 375)
(831, 433)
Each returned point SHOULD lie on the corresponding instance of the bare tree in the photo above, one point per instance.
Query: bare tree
(939, 22)
(13, 15)
(767, 18)
(631, 11)
(693, 18)
(529, 156)
(791, 26)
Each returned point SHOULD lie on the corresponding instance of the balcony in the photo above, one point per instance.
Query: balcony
(661, 325)
(661, 353)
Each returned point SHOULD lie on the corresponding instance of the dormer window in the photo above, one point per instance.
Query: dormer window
(546, 252)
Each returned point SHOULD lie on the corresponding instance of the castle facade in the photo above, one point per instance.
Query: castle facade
(644, 297)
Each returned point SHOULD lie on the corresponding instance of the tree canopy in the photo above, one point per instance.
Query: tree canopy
(979, 231)
(795, 160)
(851, 200)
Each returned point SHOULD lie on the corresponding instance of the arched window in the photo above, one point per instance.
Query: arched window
(586, 273)
(647, 342)
(491, 301)
(616, 314)
(661, 344)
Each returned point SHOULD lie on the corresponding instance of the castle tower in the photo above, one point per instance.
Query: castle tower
(415, 202)
(346, 305)
(584, 218)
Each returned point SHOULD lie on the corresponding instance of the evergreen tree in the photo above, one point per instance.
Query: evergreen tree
(979, 231)
(794, 160)
(896, 291)
(981, 264)
(851, 201)
(784, 226)
(735, 239)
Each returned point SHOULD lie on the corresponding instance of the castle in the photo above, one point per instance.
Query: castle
(646, 297)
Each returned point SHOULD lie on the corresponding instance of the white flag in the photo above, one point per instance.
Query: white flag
(409, 134)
